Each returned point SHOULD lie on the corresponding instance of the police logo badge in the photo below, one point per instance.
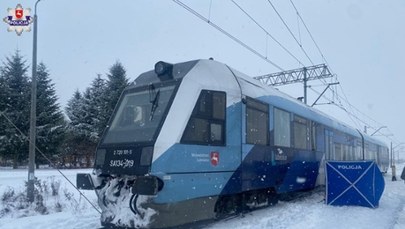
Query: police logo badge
(18, 19)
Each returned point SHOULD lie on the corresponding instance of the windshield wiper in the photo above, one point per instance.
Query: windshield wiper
(154, 100)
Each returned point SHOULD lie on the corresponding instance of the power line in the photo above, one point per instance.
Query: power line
(178, 2)
(350, 106)
(310, 34)
(322, 55)
(365, 115)
(355, 119)
(289, 30)
(267, 33)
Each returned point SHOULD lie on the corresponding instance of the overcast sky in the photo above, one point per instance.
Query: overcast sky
(362, 41)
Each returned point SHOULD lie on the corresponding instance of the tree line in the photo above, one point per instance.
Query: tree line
(69, 136)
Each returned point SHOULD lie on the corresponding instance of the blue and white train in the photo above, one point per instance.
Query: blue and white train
(199, 140)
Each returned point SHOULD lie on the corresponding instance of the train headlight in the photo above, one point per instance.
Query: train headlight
(164, 70)
(100, 156)
(146, 156)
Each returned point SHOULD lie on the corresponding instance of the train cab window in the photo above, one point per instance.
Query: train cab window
(206, 125)
(257, 122)
(282, 129)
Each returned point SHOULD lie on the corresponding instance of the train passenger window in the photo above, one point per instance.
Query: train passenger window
(359, 150)
(282, 131)
(314, 127)
(329, 145)
(338, 152)
(257, 122)
(206, 125)
(301, 133)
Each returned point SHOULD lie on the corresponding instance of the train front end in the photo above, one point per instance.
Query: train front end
(171, 154)
(122, 176)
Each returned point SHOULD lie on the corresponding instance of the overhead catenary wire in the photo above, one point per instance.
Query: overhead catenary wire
(178, 2)
(366, 116)
(296, 40)
(350, 107)
(267, 33)
(310, 34)
(322, 55)
(46, 158)
(344, 98)
(313, 40)
(355, 121)
(289, 30)
(354, 118)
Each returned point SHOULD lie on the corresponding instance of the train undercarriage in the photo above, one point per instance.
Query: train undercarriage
(123, 209)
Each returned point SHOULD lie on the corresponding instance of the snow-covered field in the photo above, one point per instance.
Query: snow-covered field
(308, 212)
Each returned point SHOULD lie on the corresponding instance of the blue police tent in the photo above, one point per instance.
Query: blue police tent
(353, 183)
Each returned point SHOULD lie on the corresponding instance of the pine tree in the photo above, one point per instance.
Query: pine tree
(15, 106)
(4, 92)
(50, 120)
(74, 111)
(86, 113)
(77, 143)
(116, 83)
(89, 112)
(95, 100)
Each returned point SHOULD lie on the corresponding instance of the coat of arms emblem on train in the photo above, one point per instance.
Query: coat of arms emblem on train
(214, 158)
(18, 19)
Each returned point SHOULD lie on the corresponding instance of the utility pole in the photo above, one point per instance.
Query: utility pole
(393, 169)
(305, 84)
(33, 115)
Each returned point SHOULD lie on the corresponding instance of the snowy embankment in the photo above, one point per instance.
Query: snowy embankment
(76, 212)
(308, 212)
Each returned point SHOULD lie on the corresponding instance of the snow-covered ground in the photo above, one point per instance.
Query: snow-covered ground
(308, 212)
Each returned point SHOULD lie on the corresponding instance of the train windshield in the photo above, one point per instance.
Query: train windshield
(139, 115)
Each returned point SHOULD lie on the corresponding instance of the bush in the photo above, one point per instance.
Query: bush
(46, 200)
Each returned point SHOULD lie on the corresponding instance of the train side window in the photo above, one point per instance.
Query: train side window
(257, 122)
(329, 150)
(359, 150)
(206, 125)
(314, 129)
(282, 128)
(301, 132)
(338, 152)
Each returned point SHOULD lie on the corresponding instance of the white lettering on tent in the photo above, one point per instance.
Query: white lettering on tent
(349, 167)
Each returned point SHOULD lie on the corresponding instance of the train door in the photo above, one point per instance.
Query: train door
(256, 154)
(320, 148)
